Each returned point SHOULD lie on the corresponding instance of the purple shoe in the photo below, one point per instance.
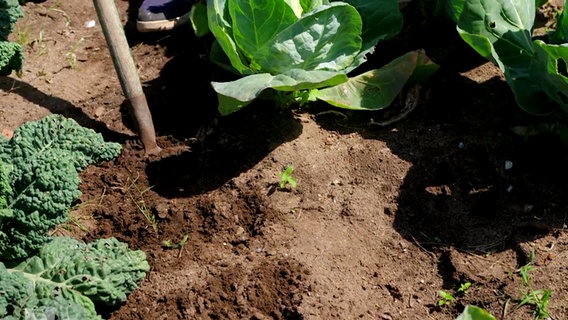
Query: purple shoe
(161, 15)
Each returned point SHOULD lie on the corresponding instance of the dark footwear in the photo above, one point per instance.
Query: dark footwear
(161, 15)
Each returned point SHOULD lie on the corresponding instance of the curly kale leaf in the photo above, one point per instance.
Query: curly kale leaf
(3, 142)
(11, 54)
(43, 160)
(5, 194)
(11, 57)
(44, 189)
(67, 277)
(59, 308)
(10, 12)
(5, 189)
(55, 132)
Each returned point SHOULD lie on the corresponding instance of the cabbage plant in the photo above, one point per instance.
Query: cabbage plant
(297, 51)
(474, 313)
(502, 32)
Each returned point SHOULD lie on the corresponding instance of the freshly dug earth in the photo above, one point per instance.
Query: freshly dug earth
(383, 216)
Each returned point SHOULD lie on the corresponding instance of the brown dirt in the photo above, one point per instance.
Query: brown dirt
(383, 216)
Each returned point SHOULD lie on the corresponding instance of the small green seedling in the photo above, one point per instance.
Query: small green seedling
(176, 245)
(445, 298)
(464, 287)
(136, 194)
(537, 298)
(286, 178)
(71, 56)
(22, 36)
(171, 245)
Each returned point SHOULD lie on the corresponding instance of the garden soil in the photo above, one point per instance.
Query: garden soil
(389, 207)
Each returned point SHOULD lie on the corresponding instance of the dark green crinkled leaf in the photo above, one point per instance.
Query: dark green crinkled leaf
(11, 54)
(10, 12)
(43, 191)
(55, 132)
(43, 160)
(3, 145)
(11, 57)
(5, 195)
(5, 188)
(67, 277)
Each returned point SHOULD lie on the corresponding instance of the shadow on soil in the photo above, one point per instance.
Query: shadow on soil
(59, 106)
(458, 191)
(229, 146)
(184, 107)
(221, 147)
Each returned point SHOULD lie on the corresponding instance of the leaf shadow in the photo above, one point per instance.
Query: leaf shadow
(458, 191)
(233, 145)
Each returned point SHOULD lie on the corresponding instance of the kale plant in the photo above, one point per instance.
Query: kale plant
(41, 165)
(43, 277)
(11, 54)
(67, 278)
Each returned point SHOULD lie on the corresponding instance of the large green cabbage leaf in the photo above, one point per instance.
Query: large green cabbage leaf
(327, 38)
(474, 313)
(236, 94)
(307, 45)
(376, 89)
(256, 23)
(501, 31)
(220, 26)
(549, 70)
(381, 19)
(67, 278)
(560, 33)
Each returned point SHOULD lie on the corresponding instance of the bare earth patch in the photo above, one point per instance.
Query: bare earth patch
(383, 217)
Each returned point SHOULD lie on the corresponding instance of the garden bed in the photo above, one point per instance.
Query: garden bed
(383, 217)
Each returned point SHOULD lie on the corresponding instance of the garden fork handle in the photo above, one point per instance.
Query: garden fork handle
(127, 73)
